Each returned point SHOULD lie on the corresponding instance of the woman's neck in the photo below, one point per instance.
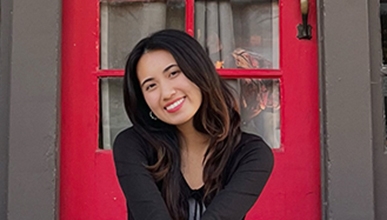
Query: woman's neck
(193, 140)
(193, 147)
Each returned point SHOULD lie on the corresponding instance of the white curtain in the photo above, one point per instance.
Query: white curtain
(214, 29)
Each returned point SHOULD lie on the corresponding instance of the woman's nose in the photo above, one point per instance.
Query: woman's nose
(168, 91)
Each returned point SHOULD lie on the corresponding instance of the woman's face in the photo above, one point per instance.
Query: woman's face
(171, 96)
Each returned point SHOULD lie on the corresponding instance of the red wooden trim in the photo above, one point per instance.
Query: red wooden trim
(226, 73)
(124, 1)
(111, 203)
(299, 110)
(250, 73)
(79, 109)
(190, 14)
(109, 73)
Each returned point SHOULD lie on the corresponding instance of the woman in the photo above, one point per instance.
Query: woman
(185, 156)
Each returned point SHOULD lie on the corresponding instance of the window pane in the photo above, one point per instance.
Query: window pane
(258, 101)
(113, 117)
(260, 109)
(239, 33)
(383, 22)
(124, 23)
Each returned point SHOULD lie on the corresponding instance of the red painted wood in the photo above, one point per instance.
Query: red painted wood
(226, 73)
(190, 14)
(88, 186)
(109, 73)
(79, 110)
(250, 73)
(296, 178)
(111, 203)
(293, 192)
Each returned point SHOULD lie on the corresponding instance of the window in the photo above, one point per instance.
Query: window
(241, 38)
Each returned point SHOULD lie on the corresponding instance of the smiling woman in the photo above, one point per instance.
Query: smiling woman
(170, 95)
(185, 156)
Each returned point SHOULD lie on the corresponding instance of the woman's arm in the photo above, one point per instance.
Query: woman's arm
(254, 164)
(144, 200)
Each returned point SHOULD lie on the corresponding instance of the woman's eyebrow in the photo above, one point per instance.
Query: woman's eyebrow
(169, 67)
(145, 81)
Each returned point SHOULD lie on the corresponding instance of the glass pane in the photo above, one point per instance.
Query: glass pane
(258, 101)
(383, 22)
(113, 115)
(260, 109)
(124, 23)
(239, 33)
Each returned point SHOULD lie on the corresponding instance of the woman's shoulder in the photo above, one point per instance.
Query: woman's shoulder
(248, 139)
(128, 134)
(251, 144)
(252, 153)
(128, 142)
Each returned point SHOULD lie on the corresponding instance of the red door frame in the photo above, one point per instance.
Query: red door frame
(88, 186)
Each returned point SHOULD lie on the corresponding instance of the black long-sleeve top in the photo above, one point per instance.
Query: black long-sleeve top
(247, 172)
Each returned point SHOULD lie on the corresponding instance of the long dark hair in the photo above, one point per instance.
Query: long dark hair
(217, 117)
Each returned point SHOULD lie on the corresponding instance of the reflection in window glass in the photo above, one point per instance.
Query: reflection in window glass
(124, 23)
(260, 109)
(258, 102)
(239, 34)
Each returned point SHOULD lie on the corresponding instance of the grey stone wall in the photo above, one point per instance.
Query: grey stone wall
(5, 52)
(33, 109)
(378, 119)
(352, 110)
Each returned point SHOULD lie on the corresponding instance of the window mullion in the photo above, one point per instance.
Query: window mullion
(189, 20)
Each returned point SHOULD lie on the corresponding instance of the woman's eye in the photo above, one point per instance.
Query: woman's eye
(174, 73)
(150, 86)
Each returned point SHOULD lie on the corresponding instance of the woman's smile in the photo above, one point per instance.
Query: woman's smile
(175, 106)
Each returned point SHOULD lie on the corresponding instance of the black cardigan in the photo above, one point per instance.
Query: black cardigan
(246, 174)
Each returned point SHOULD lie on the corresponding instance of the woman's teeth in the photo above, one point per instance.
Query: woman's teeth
(172, 106)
